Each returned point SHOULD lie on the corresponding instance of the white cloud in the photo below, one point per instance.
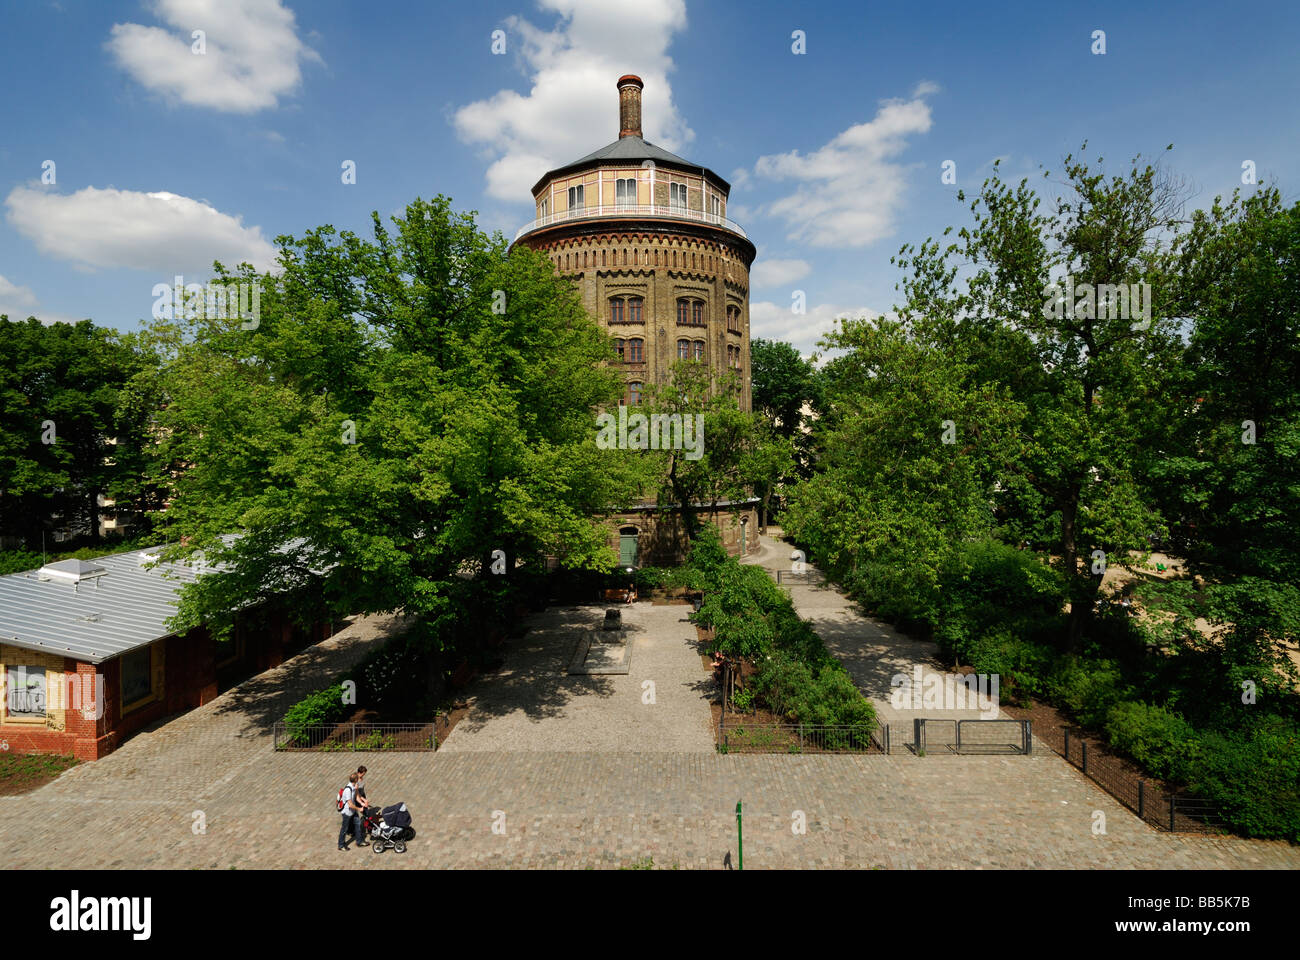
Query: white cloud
(251, 59)
(572, 107)
(161, 232)
(19, 303)
(850, 190)
(777, 321)
(777, 273)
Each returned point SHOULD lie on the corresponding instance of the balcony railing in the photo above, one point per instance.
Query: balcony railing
(632, 210)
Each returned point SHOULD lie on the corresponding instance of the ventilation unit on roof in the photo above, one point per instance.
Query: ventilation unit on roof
(71, 571)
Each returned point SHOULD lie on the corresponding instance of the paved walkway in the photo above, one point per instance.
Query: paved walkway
(207, 791)
(533, 704)
(873, 652)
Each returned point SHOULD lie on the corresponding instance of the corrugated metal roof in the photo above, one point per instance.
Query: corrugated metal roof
(97, 618)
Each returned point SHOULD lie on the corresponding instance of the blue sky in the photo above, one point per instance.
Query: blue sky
(166, 159)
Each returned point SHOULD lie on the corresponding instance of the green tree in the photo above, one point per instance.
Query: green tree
(783, 382)
(734, 452)
(1037, 308)
(405, 407)
(1229, 477)
(910, 453)
(65, 437)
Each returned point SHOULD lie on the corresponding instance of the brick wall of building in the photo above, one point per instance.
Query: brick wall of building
(185, 677)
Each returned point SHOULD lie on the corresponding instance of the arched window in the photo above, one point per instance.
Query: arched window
(683, 349)
(697, 352)
(634, 309)
(635, 353)
(616, 310)
(618, 348)
(697, 313)
(634, 393)
(683, 310)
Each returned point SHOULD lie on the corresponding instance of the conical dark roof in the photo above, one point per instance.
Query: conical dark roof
(632, 149)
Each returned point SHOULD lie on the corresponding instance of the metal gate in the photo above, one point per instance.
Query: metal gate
(1001, 737)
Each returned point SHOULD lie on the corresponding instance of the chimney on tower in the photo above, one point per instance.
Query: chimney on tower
(629, 106)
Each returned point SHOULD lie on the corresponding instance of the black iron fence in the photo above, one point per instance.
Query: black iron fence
(401, 737)
(932, 735)
(738, 736)
(1166, 811)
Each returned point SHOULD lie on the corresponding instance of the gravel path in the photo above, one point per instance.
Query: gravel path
(875, 654)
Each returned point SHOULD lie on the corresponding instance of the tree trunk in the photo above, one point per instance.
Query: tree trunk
(689, 521)
(1070, 564)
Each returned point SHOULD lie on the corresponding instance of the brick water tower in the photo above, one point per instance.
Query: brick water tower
(644, 236)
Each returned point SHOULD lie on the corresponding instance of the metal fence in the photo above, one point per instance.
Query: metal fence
(741, 737)
(972, 736)
(812, 578)
(401, 737)
(1166, 811)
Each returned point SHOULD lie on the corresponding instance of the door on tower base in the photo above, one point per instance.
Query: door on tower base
(627, 546)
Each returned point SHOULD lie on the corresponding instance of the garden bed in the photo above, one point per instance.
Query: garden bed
(23, 773)
(761, 731)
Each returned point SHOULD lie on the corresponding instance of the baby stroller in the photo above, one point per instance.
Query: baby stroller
(390, 828)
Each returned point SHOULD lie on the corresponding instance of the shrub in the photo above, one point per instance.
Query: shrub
(1087, 689)
(779, 681)
(707, 556)
(1020, 666)
(18, 561)
(317, 709)
(744, 699)
(801, 695)
(1160, 741)
(997, 589)
(740, 607)
(1252, 777)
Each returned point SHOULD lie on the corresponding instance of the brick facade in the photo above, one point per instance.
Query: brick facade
(661, 541)
(661, 263)
(185, 676)
(651, 228)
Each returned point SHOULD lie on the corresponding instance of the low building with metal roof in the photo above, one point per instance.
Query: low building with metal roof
(88, 655)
